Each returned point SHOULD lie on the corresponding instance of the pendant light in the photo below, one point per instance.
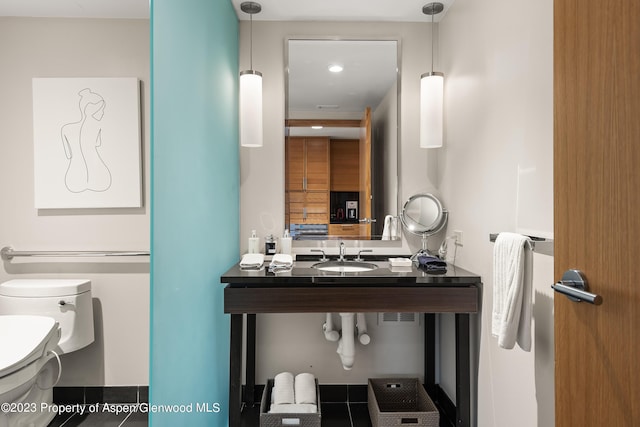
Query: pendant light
(431, 95)
(251, 92)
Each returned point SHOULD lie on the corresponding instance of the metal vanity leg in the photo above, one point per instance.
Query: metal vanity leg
(463, 371)
(430, 354)
(235, 370)
(250, 364)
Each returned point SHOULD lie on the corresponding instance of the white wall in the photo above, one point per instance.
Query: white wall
(77, 48)
(299, 337)
(498, 63)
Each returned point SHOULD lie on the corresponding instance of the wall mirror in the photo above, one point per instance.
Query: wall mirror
(341, 138)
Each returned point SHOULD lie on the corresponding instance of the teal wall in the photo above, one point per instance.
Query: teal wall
(194, 206)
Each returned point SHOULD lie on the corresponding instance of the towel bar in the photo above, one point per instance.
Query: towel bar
(541, 245)
(7, 253)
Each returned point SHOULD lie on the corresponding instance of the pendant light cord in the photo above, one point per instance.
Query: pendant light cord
(251, 42)
(432, 41)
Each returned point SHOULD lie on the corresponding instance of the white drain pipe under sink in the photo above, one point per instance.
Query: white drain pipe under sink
(351, 324)
(346, 345)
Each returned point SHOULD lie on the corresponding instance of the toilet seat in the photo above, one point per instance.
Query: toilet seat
(24, 340)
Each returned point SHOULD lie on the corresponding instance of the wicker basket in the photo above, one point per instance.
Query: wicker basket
(279, 420)
(400, 402)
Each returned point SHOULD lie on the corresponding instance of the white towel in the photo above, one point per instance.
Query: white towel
(305, 388)
(283, 391)
(282, 260)
(252, 261)
(512, 291)
(294, 408)
(389, 231)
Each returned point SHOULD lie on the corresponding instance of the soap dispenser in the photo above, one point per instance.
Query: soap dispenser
(285, 243)
(254, 243)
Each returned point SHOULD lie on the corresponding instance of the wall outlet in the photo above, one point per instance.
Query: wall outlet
(458, 235)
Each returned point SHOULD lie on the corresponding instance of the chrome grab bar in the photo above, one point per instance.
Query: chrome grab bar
(7, 253)
(574, 285)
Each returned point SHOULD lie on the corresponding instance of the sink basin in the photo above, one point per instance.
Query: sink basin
(345, 266)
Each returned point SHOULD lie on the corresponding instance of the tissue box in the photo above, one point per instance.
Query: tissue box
(400, 262)
(400, 401)
(280, 420)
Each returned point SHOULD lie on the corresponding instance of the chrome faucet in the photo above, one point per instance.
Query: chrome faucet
(359, 258)
(324, 256)
(341, 251)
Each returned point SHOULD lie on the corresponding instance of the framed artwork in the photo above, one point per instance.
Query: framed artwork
(86, 140)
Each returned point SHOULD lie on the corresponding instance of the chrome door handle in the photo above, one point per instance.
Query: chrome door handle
(367, 220)
(574, 286)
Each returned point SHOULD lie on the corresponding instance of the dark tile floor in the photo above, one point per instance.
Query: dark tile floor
(101, 418)
(342, 406)
(333, 415)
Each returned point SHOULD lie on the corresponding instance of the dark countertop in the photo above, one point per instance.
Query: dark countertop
(303, 275)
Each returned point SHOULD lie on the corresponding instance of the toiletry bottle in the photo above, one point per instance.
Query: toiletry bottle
(285, 243)
(269, 245)
(254, 243)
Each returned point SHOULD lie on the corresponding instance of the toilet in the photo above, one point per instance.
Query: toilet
(40, 319)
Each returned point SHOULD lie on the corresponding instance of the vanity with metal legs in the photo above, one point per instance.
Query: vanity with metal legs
(306, 290)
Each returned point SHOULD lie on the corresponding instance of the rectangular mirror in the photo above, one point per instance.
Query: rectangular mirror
(341, 139)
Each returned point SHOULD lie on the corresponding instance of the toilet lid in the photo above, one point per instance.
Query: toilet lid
(44, 287)
(23, 340)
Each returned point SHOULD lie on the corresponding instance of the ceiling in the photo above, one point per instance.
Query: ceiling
(342, 10)
(272, 10)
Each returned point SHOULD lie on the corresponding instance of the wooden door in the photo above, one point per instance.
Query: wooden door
(597, 210)
(365, 174)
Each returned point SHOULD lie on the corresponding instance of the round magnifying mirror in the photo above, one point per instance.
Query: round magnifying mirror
(423, 215)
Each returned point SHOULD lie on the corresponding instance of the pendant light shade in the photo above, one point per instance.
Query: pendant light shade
(251, 92)
(431, 102)
(431, 95)
(251, 108)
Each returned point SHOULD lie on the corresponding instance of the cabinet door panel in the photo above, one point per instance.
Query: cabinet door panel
(317, 157)
(344, 229)
(295, 164)
(309, 197)
(345, 161)
(312, 213)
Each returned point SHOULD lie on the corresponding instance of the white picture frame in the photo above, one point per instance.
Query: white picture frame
(87, 143)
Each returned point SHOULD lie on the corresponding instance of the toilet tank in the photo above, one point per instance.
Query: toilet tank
(68, 301)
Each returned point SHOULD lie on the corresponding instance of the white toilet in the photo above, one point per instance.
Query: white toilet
(39, 320)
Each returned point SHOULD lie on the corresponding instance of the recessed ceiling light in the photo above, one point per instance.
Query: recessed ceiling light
(316, 127)
(335, 68)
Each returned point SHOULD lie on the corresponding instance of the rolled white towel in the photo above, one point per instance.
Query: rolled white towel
(283, 391)
(305, 388)
(294, 408)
